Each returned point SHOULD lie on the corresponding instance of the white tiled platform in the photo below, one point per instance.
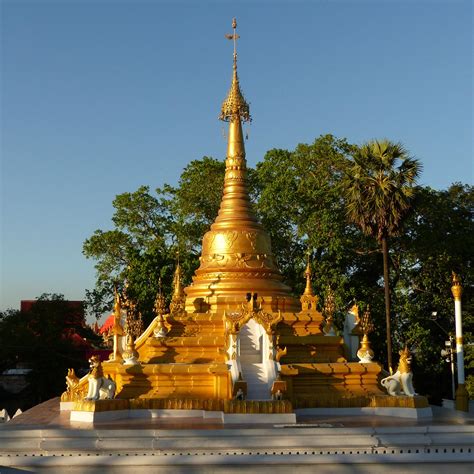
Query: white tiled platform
(46, 441)
(217, 416)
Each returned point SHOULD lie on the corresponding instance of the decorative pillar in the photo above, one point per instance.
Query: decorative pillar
(462, 397)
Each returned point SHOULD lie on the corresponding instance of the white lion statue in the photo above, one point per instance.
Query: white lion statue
(100, 387)
(401, 382)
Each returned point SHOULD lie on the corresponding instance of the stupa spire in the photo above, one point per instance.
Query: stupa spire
(308, 291)
(235, 205)
(236, 256)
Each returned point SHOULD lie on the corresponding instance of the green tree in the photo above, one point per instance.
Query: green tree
(302, 205)
(438, 238)
(380, 187)
(39, 340)
(150, 230)
(300, 197)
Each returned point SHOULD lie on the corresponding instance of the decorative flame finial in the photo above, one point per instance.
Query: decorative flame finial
(366, 322)
(160, 309)
(235, 105)
(160, 303)
(329, 310)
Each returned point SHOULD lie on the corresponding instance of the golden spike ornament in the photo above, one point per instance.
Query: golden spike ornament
(234, 104)
(161, 329)
(366, 322)
(329, 310)
(134, 320)
(365, 352)
(178, 298)
(160, 303)
(309, 289)
(308, 299)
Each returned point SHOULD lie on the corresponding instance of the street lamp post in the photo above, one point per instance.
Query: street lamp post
(462, 398)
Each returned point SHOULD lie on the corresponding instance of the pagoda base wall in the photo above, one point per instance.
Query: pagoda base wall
(246, 411)
(184, 381)
(324, 384)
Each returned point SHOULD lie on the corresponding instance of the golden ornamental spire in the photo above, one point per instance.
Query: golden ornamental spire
(234, 104)
(309, 289)
(160, 303)
(177, 286)
(308, 299)
(178, 298)
(236, 256)
(235, 207)
(365, 352)
(329, 311)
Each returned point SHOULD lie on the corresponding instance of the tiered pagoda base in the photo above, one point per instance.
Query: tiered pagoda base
(188, 374)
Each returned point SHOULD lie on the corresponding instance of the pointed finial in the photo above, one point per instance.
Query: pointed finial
(365, 352)
(177, 284)
(234, 36)
(329, 304)
(366, 322)
(178, 298)
(160, 303)
(235, 105)
(329, 310)
(309, 289)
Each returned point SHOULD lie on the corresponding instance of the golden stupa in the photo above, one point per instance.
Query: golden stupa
(237, 332)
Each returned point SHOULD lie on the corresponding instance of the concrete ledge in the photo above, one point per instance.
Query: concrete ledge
(416, 413)
(93, 416)
(98, 416)
(66, 406)
(256, 418)
(247, 418)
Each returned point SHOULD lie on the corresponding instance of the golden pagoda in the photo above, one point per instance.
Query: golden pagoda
(237, 331)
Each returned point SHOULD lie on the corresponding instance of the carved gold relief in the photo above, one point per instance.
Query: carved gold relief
(251, 310)
(236, 162)
(252, 238)
(238, 260)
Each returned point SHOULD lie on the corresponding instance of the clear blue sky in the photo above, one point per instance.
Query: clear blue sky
(100, 97)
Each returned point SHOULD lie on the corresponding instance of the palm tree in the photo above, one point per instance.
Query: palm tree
(379, 190)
